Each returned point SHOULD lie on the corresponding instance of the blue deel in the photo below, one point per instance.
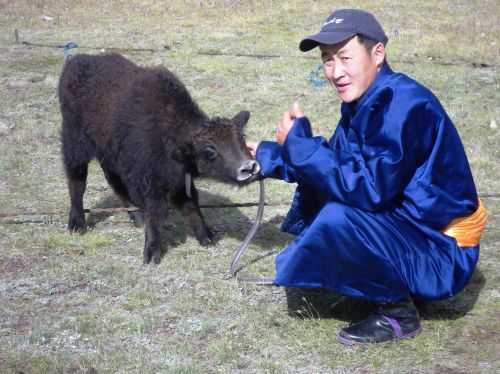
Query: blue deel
(371, 202)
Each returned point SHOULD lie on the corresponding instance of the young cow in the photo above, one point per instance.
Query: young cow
(150, 139)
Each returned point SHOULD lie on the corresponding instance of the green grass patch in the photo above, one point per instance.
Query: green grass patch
(38, 63)
(89, 244)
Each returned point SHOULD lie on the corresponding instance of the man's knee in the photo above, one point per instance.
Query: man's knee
(336, 215)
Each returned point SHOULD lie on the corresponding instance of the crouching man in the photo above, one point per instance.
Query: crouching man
(386, 209)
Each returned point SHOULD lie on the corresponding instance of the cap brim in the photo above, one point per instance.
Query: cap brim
(324, 38)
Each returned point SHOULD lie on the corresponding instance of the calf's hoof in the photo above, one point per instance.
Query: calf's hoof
(152, 255)
(137, 218)
(207, 238)
(76, 222)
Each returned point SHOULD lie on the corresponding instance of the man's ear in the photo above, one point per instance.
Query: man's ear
(182, 154)
(241, 118)
(378, 53)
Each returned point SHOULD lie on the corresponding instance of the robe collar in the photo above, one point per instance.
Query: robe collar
(351, 109)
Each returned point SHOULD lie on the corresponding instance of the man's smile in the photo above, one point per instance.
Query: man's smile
(342, 87)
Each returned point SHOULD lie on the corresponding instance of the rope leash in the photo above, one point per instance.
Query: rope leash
(233, 268)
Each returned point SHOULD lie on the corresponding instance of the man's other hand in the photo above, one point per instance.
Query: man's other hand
(286, 122)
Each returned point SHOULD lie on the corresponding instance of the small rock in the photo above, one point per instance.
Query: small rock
(17, 83)
(25, 81)
(51, 80)
(495, 294)
(35, 78)
(47, 18)
(493, 124)
(5, 128)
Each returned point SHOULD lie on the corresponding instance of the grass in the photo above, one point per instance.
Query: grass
(85, 304)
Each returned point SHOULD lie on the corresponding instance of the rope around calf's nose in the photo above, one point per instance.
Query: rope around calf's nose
(233, 270)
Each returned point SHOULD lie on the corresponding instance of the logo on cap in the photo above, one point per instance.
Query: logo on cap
(333, 20)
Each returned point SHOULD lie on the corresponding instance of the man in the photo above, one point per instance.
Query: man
(385, 210)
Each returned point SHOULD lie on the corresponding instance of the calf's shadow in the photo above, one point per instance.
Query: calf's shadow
(222, 220)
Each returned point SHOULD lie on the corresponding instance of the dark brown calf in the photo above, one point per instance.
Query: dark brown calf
(150, 139)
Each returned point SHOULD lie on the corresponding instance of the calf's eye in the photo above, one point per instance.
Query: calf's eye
(209, 153)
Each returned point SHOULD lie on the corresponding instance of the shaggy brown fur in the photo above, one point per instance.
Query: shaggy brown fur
(146, 132)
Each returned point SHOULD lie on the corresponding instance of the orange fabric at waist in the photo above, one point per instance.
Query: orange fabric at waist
(467, 230)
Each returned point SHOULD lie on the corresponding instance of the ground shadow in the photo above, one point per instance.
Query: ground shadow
(173, 234)
(457, 306)
(302, 303)
(93, 218)
(234, 223)
(225, 221)
(319, 303)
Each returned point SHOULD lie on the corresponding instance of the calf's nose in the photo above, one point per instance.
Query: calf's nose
(248, 169)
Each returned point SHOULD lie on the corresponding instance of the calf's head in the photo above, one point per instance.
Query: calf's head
(219, 151)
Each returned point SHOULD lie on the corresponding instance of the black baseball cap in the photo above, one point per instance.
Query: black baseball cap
(343, 24)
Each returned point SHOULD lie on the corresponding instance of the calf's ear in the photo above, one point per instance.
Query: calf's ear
(241, 118)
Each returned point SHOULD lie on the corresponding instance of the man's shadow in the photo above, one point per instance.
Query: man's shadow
(457, 306)
(319, 303)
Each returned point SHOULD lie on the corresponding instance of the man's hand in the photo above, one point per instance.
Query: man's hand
(286, 122)
(252, 147)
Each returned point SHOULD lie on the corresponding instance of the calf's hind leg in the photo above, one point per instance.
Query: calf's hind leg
(121, 190)
(77, 150)
(77, 180)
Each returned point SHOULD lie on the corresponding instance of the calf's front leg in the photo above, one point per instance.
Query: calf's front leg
(155, 213)
(192, 214)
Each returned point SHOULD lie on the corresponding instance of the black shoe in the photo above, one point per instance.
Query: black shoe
(394, 321)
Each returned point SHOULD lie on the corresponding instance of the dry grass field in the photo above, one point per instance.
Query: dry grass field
(86, 304)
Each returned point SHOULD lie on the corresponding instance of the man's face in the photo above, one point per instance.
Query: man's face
(350, 67)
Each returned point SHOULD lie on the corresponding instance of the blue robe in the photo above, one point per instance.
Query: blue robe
(371, 202)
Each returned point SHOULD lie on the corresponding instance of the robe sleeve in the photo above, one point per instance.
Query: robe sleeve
(271, 162)
(368, 175)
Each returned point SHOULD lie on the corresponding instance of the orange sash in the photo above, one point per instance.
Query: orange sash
(467, 230)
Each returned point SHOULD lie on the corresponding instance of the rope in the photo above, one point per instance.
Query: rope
(430, 59)
(11, 215)
(63, 46)
(233, 269)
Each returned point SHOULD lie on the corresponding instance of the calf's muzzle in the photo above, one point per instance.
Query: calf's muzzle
(249, 169)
